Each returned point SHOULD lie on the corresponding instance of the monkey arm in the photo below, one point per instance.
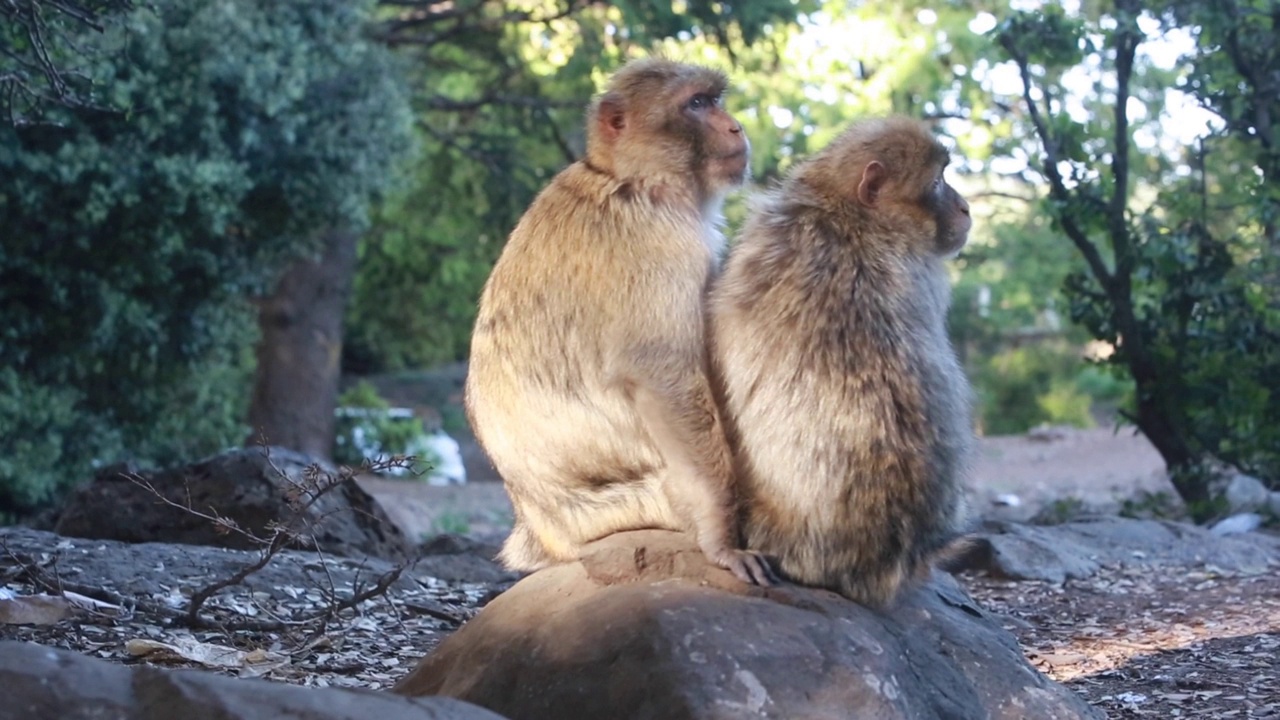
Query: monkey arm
(679, 413)
(676, 406)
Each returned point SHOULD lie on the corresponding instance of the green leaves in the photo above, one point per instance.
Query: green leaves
(133, 237)
(1047, 37)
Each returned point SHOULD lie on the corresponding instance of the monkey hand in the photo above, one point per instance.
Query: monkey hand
(748, 565)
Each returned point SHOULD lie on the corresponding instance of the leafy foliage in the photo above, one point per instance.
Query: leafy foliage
(500, 112)
(133, 237)
(40, 66)
(371, 427)
(1189, 312)
(43, 437)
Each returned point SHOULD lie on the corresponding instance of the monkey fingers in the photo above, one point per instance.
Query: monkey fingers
(749, 566)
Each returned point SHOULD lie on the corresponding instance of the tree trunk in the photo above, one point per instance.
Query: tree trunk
(296, 383)
(1153, 420)
(1157, 412)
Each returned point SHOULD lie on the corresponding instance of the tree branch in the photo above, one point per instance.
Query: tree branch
(494, 99)
(423, 14)
(1127, 36)
(1057, 188)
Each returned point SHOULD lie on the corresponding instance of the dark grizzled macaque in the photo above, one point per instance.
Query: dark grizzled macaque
(588, 379)
(843, 399)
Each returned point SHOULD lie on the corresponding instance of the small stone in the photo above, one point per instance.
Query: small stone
(1237, 524)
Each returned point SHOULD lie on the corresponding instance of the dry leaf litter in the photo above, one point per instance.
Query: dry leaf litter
(1134, 642)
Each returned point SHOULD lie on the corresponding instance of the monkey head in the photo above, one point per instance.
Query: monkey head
(890, 172)
(662, 122)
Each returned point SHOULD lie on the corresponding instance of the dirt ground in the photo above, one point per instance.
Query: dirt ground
(1188, 642)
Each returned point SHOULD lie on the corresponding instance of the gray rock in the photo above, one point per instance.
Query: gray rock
(1237, 524)
(1246, 494)
(1273, 504)
(1078, 549)
(150, 570)
(457, 558)
(1033, 552)
(243, 485)
(643, 627)
(41, 682)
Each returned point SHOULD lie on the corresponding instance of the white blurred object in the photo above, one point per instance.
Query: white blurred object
(1245, 493)
(1237, 524)
(442, 455)
(1007, 499)
(436, 455)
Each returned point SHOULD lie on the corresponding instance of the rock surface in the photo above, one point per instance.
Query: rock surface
(151, 570)
(41, 682)
(1237, 524)
(644, 628)
(244, 485)
(1077, 549)
(458, 558)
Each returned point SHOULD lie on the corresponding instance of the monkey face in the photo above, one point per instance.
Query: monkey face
(724, 153)
(663, 122)
(951, 213)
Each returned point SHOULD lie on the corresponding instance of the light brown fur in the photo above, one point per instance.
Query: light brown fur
(844, 400)
(588, 379)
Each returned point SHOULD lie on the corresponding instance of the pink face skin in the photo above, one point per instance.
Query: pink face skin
(954, 221)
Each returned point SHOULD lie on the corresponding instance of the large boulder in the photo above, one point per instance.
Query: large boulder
(40, 682)
(642, 627)
(1079, 549)
(254, 487)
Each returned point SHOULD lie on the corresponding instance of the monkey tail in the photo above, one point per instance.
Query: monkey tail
(522, 551)
(963, 552)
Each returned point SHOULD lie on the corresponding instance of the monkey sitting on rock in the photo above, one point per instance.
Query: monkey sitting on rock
(844, 401)
(588, 383)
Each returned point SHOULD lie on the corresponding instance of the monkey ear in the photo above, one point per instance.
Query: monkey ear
(611, 116)
(873, 180)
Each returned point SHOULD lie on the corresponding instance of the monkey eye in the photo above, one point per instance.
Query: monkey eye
(701, 101)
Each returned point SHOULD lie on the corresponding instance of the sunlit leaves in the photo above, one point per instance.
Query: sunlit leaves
(1045, 37)
(500, 110)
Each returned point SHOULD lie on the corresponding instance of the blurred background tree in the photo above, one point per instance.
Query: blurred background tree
(223, 135)
(44, 64)
(1179, 278)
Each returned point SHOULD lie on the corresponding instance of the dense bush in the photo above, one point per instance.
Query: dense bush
(1214, 327)
(367, 430)
(133, 236)
(1044, 382)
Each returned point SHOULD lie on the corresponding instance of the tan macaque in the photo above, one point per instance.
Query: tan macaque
(841, 393)
(588, 380)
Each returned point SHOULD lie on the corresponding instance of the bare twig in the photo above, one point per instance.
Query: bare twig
(28, 39)
(301, 496)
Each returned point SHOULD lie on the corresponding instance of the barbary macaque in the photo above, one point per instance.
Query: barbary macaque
(843, 399)
(588, 383)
